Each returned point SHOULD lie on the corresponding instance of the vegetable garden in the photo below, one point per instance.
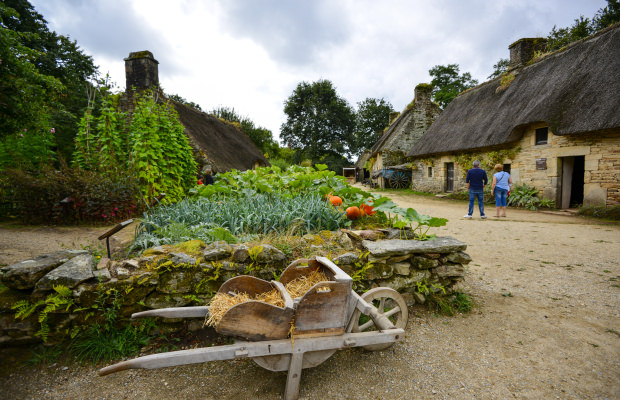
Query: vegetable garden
(241, 206)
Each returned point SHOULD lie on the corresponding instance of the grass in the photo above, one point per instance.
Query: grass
(607, 213)
(457, 303)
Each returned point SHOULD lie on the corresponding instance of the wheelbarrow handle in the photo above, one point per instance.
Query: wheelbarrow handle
(381, 321)
(174, 312)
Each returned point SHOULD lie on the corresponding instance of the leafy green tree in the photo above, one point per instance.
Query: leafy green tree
(499, 68)
(559, 38)
(607, 16)
(318, 120)
(54, 56)
(447, 83)
(262, 137)
(584, 27)
(182, 100)
(372, 116)
(26, 100)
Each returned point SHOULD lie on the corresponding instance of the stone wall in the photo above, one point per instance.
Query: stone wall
(408, 129)
(190, 273)
(540, 166)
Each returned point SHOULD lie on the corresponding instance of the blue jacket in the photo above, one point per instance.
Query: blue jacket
(477, 178)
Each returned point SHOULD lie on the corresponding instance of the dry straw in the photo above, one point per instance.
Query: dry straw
(222, 302)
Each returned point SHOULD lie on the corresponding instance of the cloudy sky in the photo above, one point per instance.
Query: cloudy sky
(251, 54)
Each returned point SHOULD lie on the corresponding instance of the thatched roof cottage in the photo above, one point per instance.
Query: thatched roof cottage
(553, 120)
(388, 155)
(216, 143)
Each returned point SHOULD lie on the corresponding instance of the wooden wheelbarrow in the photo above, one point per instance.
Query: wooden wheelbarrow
(329, 317)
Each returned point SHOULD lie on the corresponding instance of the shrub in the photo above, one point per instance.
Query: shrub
(526, 196)
(69, 196)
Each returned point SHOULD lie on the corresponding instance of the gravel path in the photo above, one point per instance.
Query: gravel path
(546, 326)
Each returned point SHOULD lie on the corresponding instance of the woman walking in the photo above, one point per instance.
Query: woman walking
(501, 185)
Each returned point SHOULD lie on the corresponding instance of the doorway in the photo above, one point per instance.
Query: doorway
(450, 177)
(573, 169)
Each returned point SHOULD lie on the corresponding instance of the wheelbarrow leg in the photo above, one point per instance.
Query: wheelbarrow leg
(294, 376)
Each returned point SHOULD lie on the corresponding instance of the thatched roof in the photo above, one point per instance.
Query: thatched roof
(388, 135)
(575, 90)
(361, 161)
(224, 145)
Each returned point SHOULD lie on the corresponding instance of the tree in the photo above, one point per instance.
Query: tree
(318, 120)
(262, 137)
(26, 98)
(53, 56)
(372, 116)
(559, 38)
(584, 27)
(182, 100)
(447, 83)
(499, 68)
(607, 16)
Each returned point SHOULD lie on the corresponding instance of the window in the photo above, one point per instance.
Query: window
(430, 172)
(541, 135)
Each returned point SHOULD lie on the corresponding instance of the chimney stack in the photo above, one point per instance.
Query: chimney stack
(523, 50)
(422, 93)
(141, 71)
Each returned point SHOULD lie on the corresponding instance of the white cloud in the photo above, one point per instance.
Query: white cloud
(250, 55)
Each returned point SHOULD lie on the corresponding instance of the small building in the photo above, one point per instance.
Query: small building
(350, 173)
(217, 144)
(403, 132)
(552, 120)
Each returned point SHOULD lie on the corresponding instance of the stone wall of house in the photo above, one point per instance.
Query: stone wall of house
(189, 274)
(540, 166)
(415, 121)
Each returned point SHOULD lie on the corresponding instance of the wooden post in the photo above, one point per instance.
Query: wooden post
(294, 376)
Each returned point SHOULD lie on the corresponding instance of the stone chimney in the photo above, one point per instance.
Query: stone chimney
(523, 50)
(422, 93)
(141, 71)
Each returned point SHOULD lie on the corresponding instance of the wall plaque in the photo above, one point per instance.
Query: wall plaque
(541, 163)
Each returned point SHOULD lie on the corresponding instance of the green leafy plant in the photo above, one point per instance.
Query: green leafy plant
(526, 196)
(108, 339)
(61, 300)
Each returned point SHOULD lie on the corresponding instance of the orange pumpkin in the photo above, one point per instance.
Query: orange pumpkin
(353, 212)
(365, 209)
(335, 201)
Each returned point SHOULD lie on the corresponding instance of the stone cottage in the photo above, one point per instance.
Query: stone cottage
(217, 144)
(388, 155)
(552, 120)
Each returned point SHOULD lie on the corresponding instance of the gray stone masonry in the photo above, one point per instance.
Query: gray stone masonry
(168, 277)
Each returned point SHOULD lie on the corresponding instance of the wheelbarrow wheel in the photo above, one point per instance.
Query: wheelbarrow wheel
(387, 301)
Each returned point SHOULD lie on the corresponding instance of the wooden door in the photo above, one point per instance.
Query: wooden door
(449, 177)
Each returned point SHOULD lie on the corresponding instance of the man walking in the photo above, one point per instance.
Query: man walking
(476, 180)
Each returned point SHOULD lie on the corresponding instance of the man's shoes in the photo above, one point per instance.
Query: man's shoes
(467, 216)
(483, 217)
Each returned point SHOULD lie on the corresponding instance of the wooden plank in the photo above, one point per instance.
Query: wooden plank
(255, 320)
(293, 379)
(339, 275)
(246, 284)
(288, 301)
(324, 306)
(256, 349)
(174, 312)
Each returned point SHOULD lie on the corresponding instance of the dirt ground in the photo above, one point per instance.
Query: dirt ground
(546, 326)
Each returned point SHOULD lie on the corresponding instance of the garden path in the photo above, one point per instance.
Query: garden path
(546, 325)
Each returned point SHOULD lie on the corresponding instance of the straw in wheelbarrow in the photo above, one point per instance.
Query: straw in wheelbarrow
(222, 302)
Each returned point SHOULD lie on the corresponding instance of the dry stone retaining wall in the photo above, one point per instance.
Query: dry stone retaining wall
(184, 275)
